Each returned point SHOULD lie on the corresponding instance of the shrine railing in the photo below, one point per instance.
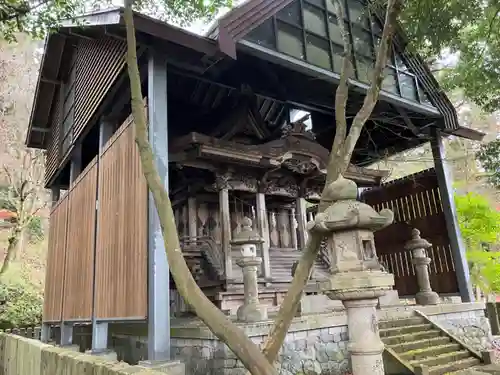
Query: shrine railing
(210, 250)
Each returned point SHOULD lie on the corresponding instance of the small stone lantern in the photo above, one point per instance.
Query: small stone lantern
(421, 261)
(247, 240)
(356, 276)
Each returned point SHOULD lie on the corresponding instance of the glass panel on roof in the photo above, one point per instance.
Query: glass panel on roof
(408, 86)
(358, 13)
(364, 68)
(290, 40)
(335, 32)
(319, 3)
(424, 99)
(306, 19)
(390, 82)
(329, 6)
(314, 20)
(400, 63)
(263, 35)
(291, 13)
(338, 53)
(318, 51)
(362, 42)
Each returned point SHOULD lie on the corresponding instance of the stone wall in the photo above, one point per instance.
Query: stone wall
(319, 351)
(315, 344)
(471, 326)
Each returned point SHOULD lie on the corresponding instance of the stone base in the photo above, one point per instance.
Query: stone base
(358, 285)
(391, 298)
(168, 367)
(427, 298)
(108, 355)
(251, 313)
(319, 303)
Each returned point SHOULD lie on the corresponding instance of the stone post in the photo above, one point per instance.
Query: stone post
(356, 276)
(421, 261)
(247, 240)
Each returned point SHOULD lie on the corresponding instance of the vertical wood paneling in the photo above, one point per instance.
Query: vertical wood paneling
(98, 64)
(54, 273)
(121, 261)
(416, 203)
(52, 159)
(78, 282)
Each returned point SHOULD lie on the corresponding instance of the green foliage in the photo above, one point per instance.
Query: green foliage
(479, 222)
(489, 156)
(5, 201)
(21, 305)
(35, 229)
(480, 227)
(471, 30)
(34, 17)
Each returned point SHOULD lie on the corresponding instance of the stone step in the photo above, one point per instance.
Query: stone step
(396, 331)
(401, 322)
(407, 337)
(404, 347)
(442, 359)
(429, 352)
(455, 366)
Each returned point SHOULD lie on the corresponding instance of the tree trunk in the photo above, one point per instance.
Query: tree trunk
(13, 242)
(340, 157)
(217, 322)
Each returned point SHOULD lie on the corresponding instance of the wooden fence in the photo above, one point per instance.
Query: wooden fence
(121, 264)
(119, 267)
(416, 203)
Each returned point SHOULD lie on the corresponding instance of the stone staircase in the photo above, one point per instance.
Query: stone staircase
(423, 348)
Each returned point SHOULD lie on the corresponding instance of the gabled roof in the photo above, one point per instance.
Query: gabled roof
(240, 21)
(49, 79)
(222, 43)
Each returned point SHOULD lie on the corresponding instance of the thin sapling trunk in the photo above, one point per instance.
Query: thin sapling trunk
(249, 353)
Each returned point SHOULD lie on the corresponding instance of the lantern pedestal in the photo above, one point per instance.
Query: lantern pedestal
(247, 240)
(251, 310)
(357, 278)
(421, 261)
(359, 293)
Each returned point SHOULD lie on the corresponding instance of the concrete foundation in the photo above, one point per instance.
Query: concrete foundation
(315, 342)
(169, 367)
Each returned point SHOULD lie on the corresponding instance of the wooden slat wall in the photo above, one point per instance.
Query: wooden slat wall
(98, 64)
(121, 264)
(79, 265)
(416, 203)
(53, 157)
(54, 273)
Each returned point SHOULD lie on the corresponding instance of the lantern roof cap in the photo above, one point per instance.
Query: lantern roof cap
(246, 235)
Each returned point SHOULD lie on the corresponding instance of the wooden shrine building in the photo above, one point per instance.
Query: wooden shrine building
(241, 122)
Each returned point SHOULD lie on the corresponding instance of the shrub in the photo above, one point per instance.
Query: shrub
(20, 305)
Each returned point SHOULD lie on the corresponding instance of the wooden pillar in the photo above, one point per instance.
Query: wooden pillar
(75, 167)
(55, 194)
(192, 218)
(450, 214)
(294, 226)
(99, 329)
(301, 221)
(263, 226)
(225, 217)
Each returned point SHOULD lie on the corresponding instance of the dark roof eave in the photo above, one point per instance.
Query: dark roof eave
(468, 133)
(101, 19)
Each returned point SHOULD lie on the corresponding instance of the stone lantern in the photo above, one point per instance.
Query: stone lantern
(356, 276)
(421, 261)
(247, 240)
